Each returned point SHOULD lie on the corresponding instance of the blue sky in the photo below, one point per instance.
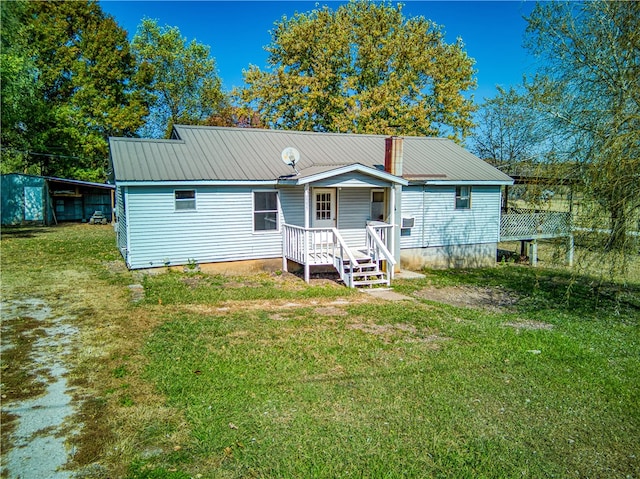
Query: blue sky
(237, 31)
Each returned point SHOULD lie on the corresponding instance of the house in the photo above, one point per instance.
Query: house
(364, 204)
(45, 200)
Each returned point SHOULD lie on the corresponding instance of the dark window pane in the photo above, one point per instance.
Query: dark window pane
(185, 195)
(265, 221)
(266, 201)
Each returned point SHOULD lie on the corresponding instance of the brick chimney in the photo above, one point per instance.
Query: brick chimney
(393, 155)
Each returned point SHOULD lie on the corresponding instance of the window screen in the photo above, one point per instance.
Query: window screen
(265, 211)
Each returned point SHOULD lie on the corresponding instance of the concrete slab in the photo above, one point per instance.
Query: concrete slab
(387, 294)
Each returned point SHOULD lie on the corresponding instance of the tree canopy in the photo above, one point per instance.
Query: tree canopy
(21, 105)
(508, 130)
(68, 85)
(182, 79)
(362, 68)
(589, 90)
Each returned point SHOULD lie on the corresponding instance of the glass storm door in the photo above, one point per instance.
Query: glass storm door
(377, 205)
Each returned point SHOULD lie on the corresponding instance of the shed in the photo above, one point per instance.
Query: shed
(45, 200)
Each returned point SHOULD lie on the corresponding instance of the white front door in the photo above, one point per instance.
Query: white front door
(324, 208)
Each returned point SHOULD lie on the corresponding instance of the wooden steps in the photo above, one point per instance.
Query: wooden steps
(366, 273)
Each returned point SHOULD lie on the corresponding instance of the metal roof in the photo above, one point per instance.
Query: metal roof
(65, 181)
(245, 154)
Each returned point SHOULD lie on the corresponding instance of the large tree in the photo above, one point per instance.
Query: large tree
(509, 130)
(182, 78)
(589, 88)
(362, 68)
(21, 105)
(79, 72)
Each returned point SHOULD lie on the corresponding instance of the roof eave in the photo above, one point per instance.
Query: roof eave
(196, 182)
(356, 167)
(464, 182)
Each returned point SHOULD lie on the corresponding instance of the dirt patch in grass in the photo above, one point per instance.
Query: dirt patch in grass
(330, 311)
(399, 332)
(322, 307)
(489, 299)
(192, 281)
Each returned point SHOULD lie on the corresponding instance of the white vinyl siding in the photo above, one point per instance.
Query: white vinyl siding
(354, 210)
(413, 207)
(221, 229)
(351, 180)
(439, 223)
(292, 205)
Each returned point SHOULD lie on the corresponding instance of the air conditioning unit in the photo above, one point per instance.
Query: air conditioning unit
(408, 222)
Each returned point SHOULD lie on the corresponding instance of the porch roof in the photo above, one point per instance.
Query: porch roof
(322, 172)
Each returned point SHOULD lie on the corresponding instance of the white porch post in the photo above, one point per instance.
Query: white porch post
(285, 240)
(307, 208)
(392, 236)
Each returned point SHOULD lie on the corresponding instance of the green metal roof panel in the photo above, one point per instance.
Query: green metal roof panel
(242, 154)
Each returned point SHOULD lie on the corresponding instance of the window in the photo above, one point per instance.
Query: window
(323, 206)
(185, 199)
(265, 211)
(463, 197)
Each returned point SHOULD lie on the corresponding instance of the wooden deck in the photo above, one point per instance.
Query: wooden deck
(533, 225)
(369, 264)
(530, 226)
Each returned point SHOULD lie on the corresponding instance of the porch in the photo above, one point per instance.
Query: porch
(529, 226)
(367, 264)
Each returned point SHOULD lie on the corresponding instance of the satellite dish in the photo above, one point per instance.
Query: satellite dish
(290, 156)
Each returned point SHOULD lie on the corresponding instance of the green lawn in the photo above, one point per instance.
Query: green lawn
(265, 376)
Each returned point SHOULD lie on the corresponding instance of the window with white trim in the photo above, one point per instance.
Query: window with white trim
(463, 197)
(185, 199)
(265, 211)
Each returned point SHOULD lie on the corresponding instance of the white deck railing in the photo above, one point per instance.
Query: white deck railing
(378, 237)
(316, 247)
(534, 225)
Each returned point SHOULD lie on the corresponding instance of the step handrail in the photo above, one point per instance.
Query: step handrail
(375, 243)
(346, 277)
(344, 248)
